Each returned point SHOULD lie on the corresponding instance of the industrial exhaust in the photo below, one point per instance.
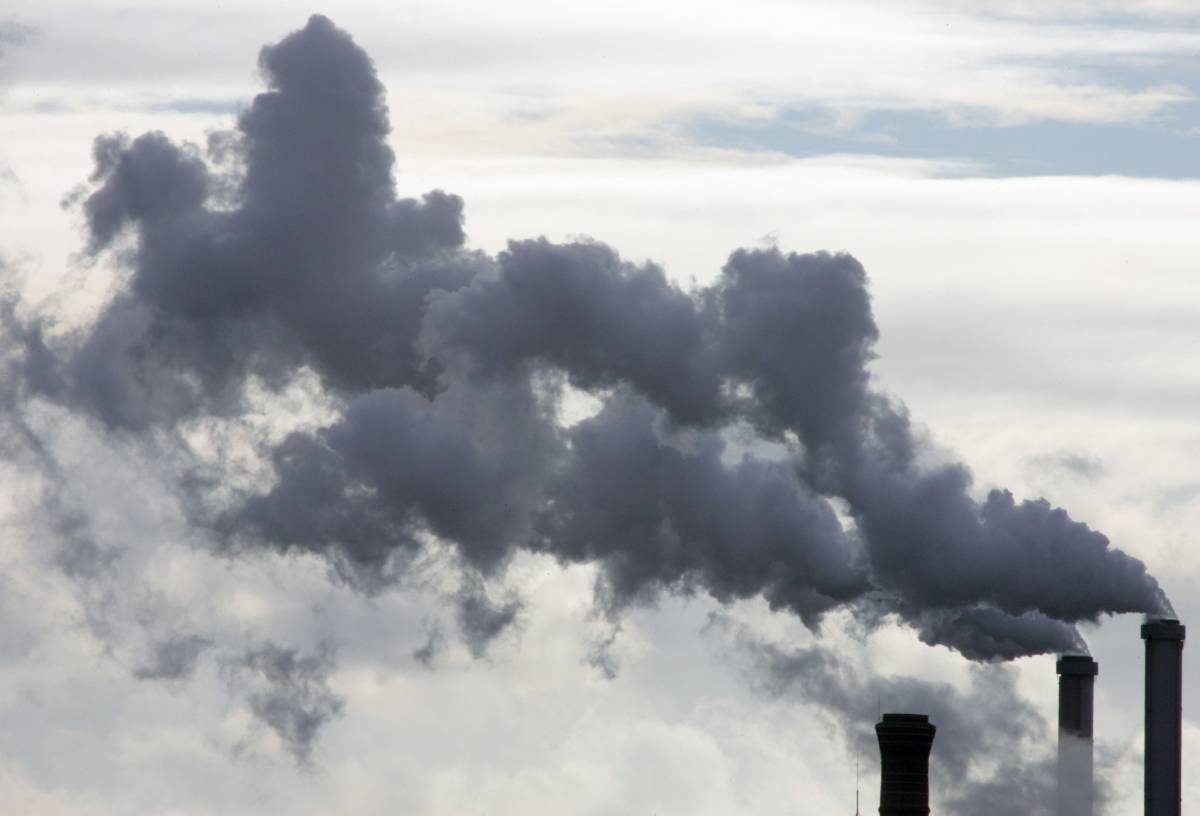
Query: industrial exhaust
(904, 744)
(1164, 716)
(1076, 695)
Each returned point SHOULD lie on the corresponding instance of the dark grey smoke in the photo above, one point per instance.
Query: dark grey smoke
(289, 693)
(783, 341)
(983, 633)
(54, 516)
(481, 619)
(317, 263)
(468, 467)
(1078, 465)
(13, 33)
(281, 248)
(658, 514)
(174, 658)
(431, 648)
(579, 310)
(600, 652)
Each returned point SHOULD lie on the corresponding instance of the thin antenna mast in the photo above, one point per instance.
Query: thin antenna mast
(857, 757)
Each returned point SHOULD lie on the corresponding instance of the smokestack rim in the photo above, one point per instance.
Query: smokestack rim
(904, 718)
(1163, 629)
(901, 728)
(1076, 665)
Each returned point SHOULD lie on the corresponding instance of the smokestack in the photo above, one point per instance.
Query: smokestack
(1164, 715)
(1076, 685)
(904, 743)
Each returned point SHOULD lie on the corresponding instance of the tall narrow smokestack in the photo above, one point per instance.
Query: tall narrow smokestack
(1164, 716)
(904, 743)
(1076, 687)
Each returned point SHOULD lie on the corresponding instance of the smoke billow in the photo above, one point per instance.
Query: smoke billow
(281, 250)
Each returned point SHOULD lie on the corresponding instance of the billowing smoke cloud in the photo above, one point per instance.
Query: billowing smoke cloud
(657, 514)
(282, 250)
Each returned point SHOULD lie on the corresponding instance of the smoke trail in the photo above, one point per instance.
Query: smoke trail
(282, 248)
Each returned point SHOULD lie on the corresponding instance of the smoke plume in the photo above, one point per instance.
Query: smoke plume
(281, 250)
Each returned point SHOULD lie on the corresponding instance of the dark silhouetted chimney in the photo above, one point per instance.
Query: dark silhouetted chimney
(1164, 716)
(1076, 685)
(904, 743)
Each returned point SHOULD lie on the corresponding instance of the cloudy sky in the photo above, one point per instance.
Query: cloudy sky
(324, 498)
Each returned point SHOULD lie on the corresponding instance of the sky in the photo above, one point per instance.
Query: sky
(324, 497)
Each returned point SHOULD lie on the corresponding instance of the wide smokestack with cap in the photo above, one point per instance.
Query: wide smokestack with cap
(1164, 715)
(904, 743)
(1076, 692)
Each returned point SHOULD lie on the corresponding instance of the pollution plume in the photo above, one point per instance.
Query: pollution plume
(281, 250)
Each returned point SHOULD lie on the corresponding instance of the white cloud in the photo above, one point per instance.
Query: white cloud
(576, 77)
(1066, 8)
